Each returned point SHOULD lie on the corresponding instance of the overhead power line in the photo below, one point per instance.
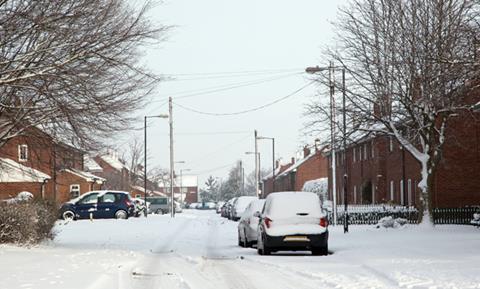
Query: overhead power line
(266, 71)
(247, 110)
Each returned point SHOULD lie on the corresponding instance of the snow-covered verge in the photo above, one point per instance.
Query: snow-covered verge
(198, 249)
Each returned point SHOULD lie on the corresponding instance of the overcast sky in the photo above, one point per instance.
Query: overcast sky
(270, 42)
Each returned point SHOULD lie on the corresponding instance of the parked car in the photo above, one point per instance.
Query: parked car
(158, 205)
(230, 207)
(248, 225)
(240, 205)
(292, 221)
(219, 206)
(99, 205)
(194, 205)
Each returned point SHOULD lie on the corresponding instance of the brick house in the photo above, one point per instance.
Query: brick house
(51, 169)
(185, 189)
(109, 167)
(294, 175)
(380, 171)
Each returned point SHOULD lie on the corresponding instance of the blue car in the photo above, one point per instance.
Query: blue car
(99, 205)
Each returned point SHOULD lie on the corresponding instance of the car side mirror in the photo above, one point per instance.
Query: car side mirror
(257, 214)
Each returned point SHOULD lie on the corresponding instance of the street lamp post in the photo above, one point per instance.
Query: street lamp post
(145, 157)
(273, 159)
(331, 69)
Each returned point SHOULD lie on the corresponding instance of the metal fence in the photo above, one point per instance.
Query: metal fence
(371, 214)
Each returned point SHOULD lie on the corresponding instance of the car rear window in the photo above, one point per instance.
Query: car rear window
(292, 204)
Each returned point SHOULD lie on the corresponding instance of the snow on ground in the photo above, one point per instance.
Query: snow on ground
(198, 249)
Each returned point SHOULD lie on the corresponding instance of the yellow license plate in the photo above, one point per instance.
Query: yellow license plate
(296, 239)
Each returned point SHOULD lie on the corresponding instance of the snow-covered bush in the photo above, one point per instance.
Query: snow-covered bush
(476, 219)
(27, 222)
(390, 222)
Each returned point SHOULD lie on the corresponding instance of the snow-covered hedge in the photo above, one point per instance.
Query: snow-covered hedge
(372, 214)
(27, 222)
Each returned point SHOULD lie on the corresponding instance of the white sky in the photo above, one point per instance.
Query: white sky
(230, 36)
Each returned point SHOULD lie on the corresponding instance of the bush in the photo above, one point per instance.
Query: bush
(27, 222)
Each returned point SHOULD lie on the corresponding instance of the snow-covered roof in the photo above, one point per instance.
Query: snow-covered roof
(86, 176)
(13, 172)
(91, 165)
(296, 165)
(113, 161)
(185, 181)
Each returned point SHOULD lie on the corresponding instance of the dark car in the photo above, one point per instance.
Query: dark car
(99, 205)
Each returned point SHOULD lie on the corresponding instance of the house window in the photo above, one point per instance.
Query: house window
(373, 149)
(354, 155)
(402, 201)
(373, 193)
(365, 152)
(409, 191)
(74, 191)
(138, 196)
(392, 190)
(390, 147)
(354, 194)
(23, 153)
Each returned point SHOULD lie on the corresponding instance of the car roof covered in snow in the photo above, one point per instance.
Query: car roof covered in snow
(292, 204)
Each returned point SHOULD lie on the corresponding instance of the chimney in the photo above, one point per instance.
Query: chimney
(306, 151)
(293, 161)
(277, 164)
(317, 144)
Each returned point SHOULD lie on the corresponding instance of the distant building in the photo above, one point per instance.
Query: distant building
(185, 188)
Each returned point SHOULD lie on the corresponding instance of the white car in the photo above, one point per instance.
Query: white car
(248, 225)
(292, 221)
(240, 205)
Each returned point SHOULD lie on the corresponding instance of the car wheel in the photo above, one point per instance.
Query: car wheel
(68, 215)
(121, 214)
(321, 251)
(246, 244)
(265, 250)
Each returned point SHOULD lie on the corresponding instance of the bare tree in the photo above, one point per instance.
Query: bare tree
(134, 158)
(411, 66)
(72, 67)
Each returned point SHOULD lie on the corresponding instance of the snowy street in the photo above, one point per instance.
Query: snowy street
(198, 249)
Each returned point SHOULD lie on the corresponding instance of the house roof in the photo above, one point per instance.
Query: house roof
(86, 176)
(113, 161)
(13, 172)
(185, 181)
(296, 165)
(91, 165)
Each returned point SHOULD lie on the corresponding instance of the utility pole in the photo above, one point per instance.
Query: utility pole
(172, 179)
(332, 141)
(145, 165)
(240, 174)
(256, 165)
(345, 195)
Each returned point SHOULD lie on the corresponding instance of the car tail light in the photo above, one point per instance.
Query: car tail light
(268, 222)
(324, 222)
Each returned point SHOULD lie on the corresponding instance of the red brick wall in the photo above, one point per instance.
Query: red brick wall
(10, 190)
(314, 168)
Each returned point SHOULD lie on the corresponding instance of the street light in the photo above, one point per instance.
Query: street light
(257, 167)
(273, 158)
(331, 70)
(145, 156)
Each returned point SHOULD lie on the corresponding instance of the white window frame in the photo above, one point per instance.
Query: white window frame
(392, 190)
(72, 186)
(20, 147)
(390, 147)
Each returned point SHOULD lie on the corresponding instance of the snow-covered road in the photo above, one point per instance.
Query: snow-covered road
(198, 249)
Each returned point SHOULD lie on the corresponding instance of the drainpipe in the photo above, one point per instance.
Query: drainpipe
(42, 188)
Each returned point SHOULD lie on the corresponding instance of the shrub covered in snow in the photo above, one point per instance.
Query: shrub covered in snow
(27, 222)
(390, 222)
